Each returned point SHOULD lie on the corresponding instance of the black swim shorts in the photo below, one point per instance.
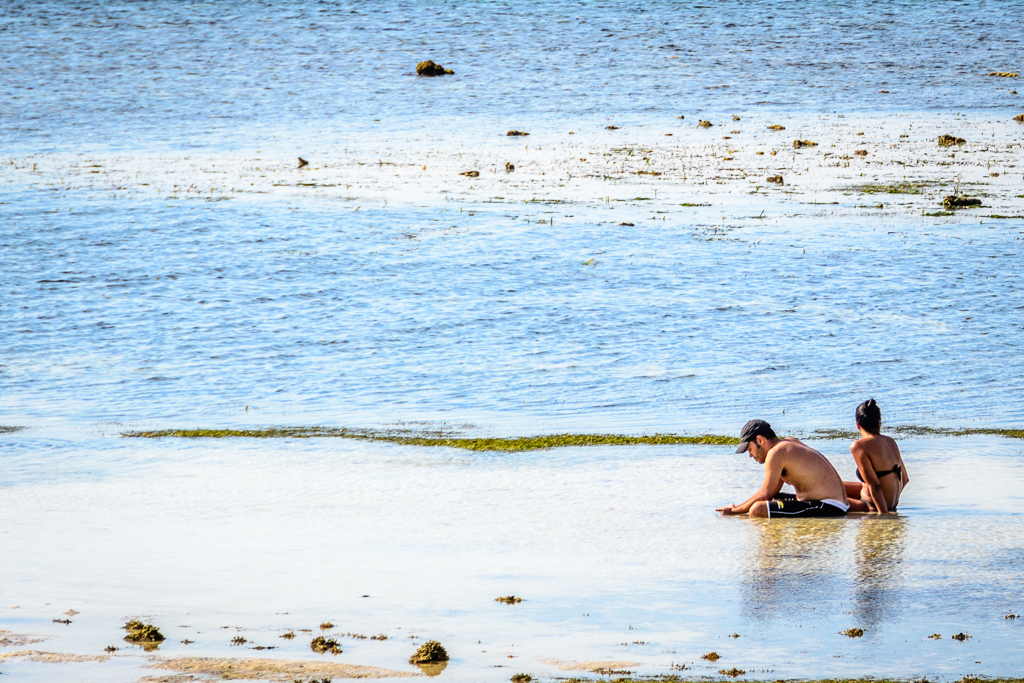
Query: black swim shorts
(786, 505)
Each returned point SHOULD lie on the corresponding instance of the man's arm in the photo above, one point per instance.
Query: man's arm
(770, 487)
(867, 471)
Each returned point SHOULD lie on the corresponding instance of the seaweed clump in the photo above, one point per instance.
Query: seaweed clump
(521, 678)
(961, 636)
(954, 201)
(935, 636)
(509, 599)
(1019, 118)
(139, 632)
(852, 632)
(321, 645)
(429, 68)
(429, 653)
(950, 140)
(797, 144)
(711, 656)
(733, 672)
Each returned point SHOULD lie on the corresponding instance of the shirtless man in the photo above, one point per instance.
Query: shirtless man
(819, 488)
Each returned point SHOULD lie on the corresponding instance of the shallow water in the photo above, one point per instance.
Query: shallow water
(164, 264)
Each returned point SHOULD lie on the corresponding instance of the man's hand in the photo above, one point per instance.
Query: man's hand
(727, 510)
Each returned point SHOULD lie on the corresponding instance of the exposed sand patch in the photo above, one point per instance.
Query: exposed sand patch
(593, 667)
(269, 669)
(53, 657)
(8, 639)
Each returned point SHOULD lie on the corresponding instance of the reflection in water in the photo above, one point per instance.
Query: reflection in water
(794, 565)
(880, 543)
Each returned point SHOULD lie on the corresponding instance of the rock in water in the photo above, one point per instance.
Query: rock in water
(303, 162)
(776, 126)
(429, 68)
(950, 140)
(777, 179)
(797, 144)
(471, 174)
(429, 652)
(611, 127)
(1004, 74)
(704, 124)
(861, 152)
(957, 202)
(509, 167)
(515, 133)
(1019, 118)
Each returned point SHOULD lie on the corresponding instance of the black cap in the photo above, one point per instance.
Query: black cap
(751, 430)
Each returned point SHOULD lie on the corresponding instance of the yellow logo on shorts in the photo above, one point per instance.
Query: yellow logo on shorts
(781, 504)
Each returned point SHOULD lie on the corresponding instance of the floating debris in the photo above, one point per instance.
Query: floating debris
(379, 636)
(509, 167)
(950, 140)
(776, 126)
(321, 645)
(936, 636)
(777, 179)
(110, 648)
(326, 626)
(238, 640)
(70, 613)
(1004, 74)
(733, 672)
(512, 599)
(303, 162)
(735, 635)
(861, 152)
(1019, 118)
(797, 144)
(1012, 616)
(961, 636)
(287, 636)
(429, 68)
(471, 174)
(773, 152)
(611, 127)
(62, 621)
(629, 225)
(711, 656)
(428, 653)
(852, 632)
(514, 133)
(704, 124)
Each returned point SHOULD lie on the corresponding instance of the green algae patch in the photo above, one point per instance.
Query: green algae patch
(505, 444)
(509, 599)
(852, 632)
(146, 635)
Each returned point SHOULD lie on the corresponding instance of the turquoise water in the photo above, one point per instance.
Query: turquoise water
(163, 263)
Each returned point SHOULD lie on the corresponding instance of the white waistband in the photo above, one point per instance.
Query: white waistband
(831, 501)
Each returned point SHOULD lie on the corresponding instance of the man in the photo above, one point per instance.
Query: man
(819, 488)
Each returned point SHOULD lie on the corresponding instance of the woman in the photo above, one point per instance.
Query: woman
(880, 468)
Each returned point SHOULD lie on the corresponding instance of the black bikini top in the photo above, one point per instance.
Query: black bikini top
(897, 470)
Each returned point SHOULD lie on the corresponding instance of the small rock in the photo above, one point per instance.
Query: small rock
(726, 158)
(861, 152)
(321, 644)
(471, 174)
(773, 152)
(735, 118)
(797, 144)
(956, 202)
(1004, 74)
(682, 117)
(950, 140)
(776, 127)
(727, 137)
(630, 225)
(303, 162)
(429, 68)
(760, 154)
(734, 132)
(776, 179)
(514, 133)
(509, 167)
(429, 652)
(884, 92)
(70, 613)
(852, 632)
(711, 656)
(860, 133)
(611, 127)
(1019, 118)
(994, 175)
(961, 637)
(936, 636)
(704, 124)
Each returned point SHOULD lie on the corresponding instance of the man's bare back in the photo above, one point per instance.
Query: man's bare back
(819, 488)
